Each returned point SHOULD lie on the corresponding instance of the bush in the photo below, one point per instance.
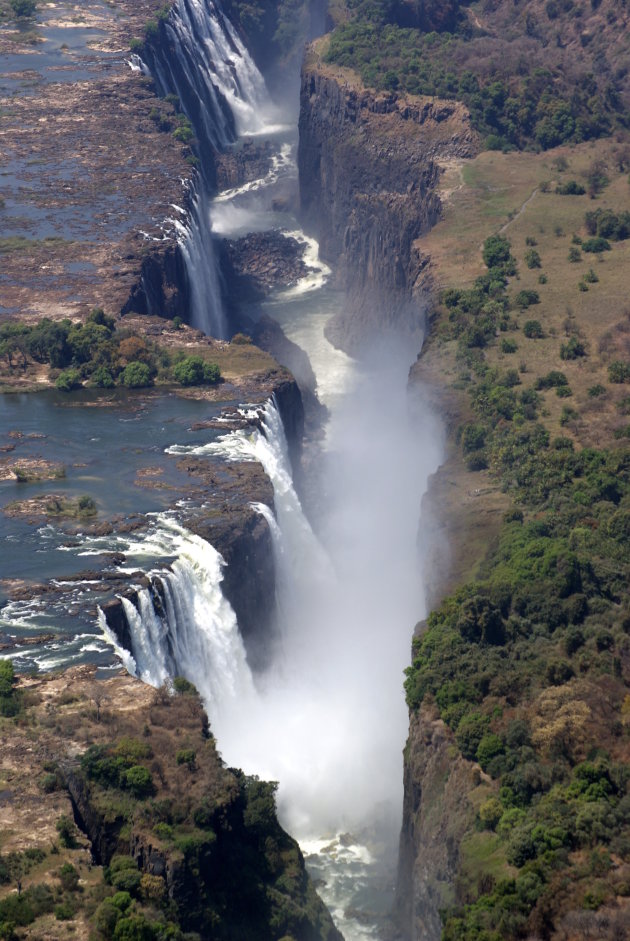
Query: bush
(572, 349)
(533, 329)
(68, 380)
(596, 245)
(508, 346)
(64, 911)
(570, 188)
(470, 732)
(532, 259)
(553, 380)
(618, 372)
(526, 298)
(184, 687)
(186, 756)
(137, 779)
(23, 8)
(67, 831)
(489, 747)
(575, 254)
(136, 375)
(10, 700)
(491, 812)
(102, 378)
(194, 371)
(69, 878)
(496, 251)
(127, 881)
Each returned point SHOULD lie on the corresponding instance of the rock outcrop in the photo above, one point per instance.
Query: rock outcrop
(436, 814)
(200, 844)
(368, 174)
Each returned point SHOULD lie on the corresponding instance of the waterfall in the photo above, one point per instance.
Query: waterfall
(204, 62)
(208, 67)
(195, 634)
(196, 245)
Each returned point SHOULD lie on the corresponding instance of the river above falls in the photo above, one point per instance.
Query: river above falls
(110, 448)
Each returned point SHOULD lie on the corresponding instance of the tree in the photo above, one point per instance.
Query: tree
(23, 8)
(194, 371)
(496, 251)
(136, 375)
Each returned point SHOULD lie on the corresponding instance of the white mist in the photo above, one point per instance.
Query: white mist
(331, 720)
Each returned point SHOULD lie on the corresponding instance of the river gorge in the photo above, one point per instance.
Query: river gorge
(282, 576)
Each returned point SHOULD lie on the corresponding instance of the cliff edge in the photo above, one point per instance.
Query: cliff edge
(368, 164)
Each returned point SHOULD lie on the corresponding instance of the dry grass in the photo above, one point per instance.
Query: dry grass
(502, 193)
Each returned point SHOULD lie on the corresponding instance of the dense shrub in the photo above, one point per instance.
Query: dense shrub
(619, 372)
(596, 245)
(194, 371)
(526, 298)
(572, 349)
(136, 375)
(533, 329)
(68, 380)
(570, 188)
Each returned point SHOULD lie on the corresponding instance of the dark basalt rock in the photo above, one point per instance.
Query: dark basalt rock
(242, 164)
(368, 176)
(262, 262)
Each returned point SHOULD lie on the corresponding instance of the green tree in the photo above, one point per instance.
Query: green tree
(136, 375)
(23, 8)
(194, 371)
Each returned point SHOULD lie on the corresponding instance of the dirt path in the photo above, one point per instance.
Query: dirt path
(505, 227)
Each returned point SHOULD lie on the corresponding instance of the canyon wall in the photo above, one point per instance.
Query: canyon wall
(368, 165)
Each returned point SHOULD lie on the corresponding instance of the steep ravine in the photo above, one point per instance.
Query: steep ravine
(369, 166)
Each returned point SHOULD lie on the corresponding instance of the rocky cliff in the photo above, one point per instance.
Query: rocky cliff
(368, 166)
(437, 811)
(119, 809)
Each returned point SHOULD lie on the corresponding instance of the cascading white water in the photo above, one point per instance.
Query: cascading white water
(224, 95)
(214, 76)
(196, 244)
(332, 716)
(197, 636)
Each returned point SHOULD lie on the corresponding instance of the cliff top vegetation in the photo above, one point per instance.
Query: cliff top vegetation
(527, 662)
(533, 75)
(120, 821)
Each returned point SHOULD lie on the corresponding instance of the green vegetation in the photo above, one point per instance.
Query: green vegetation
(194, 371)
(99, 354)
(10, 698)
(118, 766)
(23, 8)
(521, 100)
(570, 188)
(520, 662)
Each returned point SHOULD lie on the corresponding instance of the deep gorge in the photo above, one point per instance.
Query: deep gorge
(288, 632)
(314, 475)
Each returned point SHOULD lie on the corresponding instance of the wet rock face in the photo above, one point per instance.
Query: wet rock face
(250, 161)
(368, 172)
